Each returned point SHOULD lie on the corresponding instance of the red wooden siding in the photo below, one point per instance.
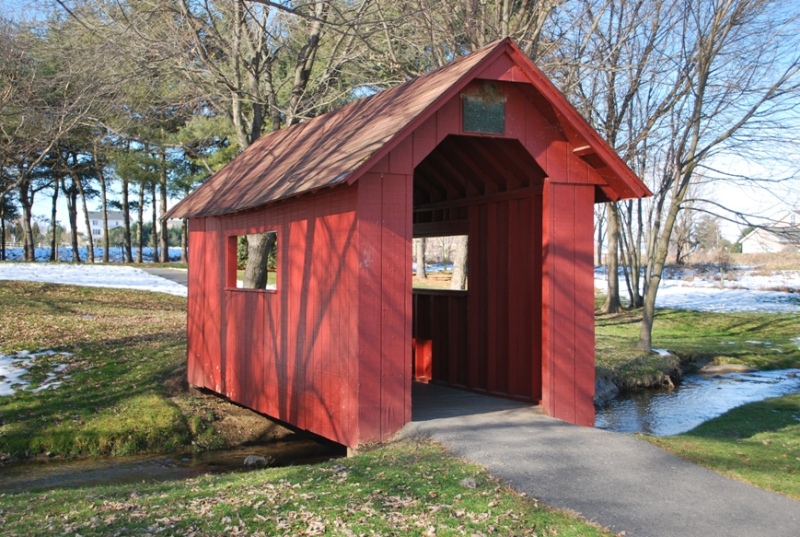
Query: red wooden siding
(330, 350)
(384, 314)
(568, 303)
(289, 353)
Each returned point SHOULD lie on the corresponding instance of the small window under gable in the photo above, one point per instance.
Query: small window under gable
(484, 110)
(249, 269)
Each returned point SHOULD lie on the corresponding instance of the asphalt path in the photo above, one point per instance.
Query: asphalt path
(617, 480)
(180, 276)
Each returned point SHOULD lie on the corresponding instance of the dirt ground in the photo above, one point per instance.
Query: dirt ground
(233, 425)
(236, 424)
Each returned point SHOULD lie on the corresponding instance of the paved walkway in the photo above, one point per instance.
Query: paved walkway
(616, 480)
(180, 276)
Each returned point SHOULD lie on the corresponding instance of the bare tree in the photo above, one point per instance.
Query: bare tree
(461, 248)
(419, 258)
(742, 74)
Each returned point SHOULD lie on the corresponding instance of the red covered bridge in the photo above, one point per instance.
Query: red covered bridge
(486, 147)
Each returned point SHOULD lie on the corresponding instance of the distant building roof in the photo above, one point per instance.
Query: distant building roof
(782, 235)
(98, 215)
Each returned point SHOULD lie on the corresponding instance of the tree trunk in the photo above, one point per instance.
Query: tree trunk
(140, 223)
(101, 176)
(77, 180)
(258, 247)
(612, 303)
(419, 256)
(2, 230)
(659, 260)
(163, 204)
(631, 251)
(600, 239)
(53, 212)
(154, 222)
(459, 281)
(127, 253)
(26, 202)
(184, 241)
(72, 215)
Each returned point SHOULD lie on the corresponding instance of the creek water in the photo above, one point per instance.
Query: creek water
(149, 469)
(696, 399)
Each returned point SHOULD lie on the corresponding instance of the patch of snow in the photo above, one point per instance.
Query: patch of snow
(91, 276)
(14, 367)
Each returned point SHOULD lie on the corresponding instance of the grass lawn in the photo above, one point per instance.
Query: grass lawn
(758, 443)
(760, 340)
(125, 393)
(128, 353)
(400, 489)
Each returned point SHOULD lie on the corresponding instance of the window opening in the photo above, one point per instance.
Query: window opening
(440, 262)
(255, 261)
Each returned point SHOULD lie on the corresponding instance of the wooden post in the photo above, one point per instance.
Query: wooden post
(568, 303)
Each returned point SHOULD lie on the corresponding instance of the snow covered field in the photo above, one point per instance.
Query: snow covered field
(778, 292)
(683, 289)
(91, 276)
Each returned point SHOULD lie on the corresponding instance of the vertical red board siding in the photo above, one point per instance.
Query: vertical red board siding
(289, 353)
(384, 305)
(497, 68)
(214, 321)
(536, 319)
(568, 304)
(302, 292)
(396, 315)
(584, 307)
(519, 296)
(196, 366)
(476, 303)
(486, 280)
(370, 200)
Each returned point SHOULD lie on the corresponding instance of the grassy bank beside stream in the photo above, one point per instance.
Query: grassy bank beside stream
(401, 489)
(758, 443)
(123, 389)
(758, 340)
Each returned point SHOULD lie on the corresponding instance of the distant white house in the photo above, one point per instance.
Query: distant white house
(115, 220)
(781, 236)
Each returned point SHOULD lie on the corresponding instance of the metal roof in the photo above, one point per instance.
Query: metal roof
(338, 147)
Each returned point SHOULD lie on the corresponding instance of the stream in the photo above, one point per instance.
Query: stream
(30, 476)
(696, 399)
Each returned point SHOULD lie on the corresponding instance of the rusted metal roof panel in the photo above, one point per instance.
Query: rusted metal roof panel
(323, 151)
(339, 146)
